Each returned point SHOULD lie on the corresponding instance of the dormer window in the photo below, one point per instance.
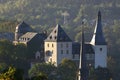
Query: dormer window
(55, 37)
(28, 38)
(50, 37)
(55, 31)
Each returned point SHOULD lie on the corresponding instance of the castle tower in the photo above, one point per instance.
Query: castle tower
(99, 44)
(58, 46)
(21, 29)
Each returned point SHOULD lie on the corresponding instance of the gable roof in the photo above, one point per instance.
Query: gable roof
(27, 37)
(58, 35)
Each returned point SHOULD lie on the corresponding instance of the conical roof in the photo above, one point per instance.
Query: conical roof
(58, 35)
(98, 38)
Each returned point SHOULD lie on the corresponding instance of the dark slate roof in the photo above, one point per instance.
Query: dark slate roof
(98, 38)
(76, 48)
(23, 28)
(30, 35)
(89, 49)
(58, 35)
(27, 36)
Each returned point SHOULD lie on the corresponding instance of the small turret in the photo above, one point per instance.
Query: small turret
(21, 29)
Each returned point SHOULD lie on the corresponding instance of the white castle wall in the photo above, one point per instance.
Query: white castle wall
(100, 55)
(59, 51)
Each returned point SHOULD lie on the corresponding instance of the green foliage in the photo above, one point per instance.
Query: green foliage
(67, 70)
(20, 51)
(8, 26)
(11, 74)
(2, 67)
(40, 76)
(100, 74)
(6, 49)
(20, 56)
(13, 55)
(42, 68)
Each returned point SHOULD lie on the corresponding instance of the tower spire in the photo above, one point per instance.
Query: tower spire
(82, 66)
(98, 38)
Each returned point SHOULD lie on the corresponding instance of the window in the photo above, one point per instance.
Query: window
(67, 51)
(61, 38)
(47, 45)
(48, 53)
(61, 45)
(55, 37)
(61, 51)
(67, 45)
(52, 45)
(89, 56)
(100, 49)
(50, 37)
(55, 31)
(28, 38)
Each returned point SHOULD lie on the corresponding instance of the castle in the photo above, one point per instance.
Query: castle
(57, 45)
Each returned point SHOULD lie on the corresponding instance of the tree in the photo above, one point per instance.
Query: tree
(67, 70)
(100, 74)
(11, 73)
(6, 51)
(40, 76)
(38, 69)
(2, 67)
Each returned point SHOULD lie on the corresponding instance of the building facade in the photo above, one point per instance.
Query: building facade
(97, 55)
(33, 40)
(57, 46)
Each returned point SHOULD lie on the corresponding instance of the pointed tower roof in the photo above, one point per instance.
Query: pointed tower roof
(58, 35)
(98, 38)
